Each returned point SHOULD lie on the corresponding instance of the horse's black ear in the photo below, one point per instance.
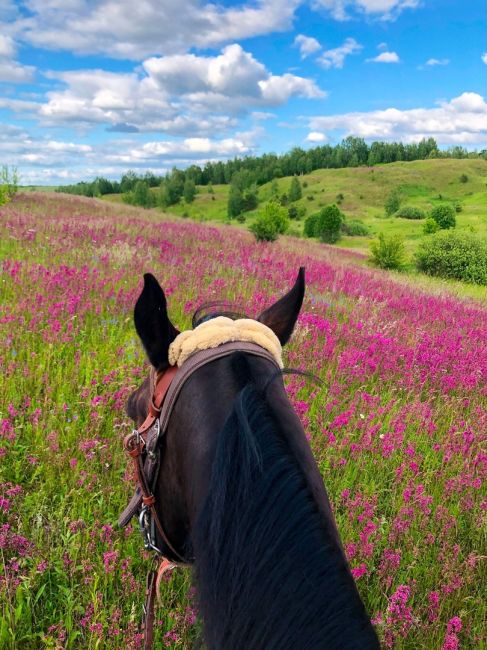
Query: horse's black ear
(282, 316)
(152, 322)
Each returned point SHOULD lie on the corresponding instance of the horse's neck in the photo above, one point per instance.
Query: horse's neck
(270, 571)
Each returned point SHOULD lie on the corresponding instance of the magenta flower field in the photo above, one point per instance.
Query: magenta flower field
(398, 426)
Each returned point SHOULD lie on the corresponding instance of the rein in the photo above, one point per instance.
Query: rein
(144, 448)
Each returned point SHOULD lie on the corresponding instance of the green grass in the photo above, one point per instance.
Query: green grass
(386, 421)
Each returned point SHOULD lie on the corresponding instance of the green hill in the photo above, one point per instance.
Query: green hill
(422, 183)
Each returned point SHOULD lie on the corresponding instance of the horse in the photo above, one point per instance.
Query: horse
(241, 497)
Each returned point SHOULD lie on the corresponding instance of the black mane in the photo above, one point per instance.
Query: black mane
(268, 575)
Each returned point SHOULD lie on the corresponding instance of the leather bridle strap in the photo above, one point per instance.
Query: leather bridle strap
(166, 391)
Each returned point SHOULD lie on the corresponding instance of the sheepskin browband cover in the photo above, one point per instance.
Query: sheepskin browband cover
(221, 330)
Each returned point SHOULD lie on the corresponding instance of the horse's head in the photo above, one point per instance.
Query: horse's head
(203, 405)
(238, 490)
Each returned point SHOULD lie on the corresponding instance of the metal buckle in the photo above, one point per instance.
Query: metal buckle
(148, 530)
(151, 453)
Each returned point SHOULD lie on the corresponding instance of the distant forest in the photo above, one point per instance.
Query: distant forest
(257, 170)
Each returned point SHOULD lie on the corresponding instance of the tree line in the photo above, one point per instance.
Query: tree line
(258, 170)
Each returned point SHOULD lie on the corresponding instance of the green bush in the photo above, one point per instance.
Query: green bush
(140, 195)
(410, 212)
(393, 203)
(271, 222)
(451, 254)
(292, 212)
(444, 215)
(354, 228)
(430, 226)
(329, 224)
(311, 225)
(388, 252)
(464, 178)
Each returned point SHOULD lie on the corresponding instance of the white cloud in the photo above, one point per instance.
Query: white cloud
(433, 62)
(262, 115)
(234, 72)
(172, 26)
(462, 120)
(181, 94)
(382, 9)
(385, 57)
(484, 58)
(193, 148)
(278, 89)
(46, 160)
(7, 47)
(316, 136)
(10, 70)
(335, 58)
(307, 45)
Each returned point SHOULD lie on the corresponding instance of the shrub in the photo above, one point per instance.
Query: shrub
(410, 212)
(292, 212)
(310, 197)
(393, 203)
(354, 228)
(444, 215)
(464, 178)
(329, 224)
(311, 225)
(458, 206)
(457, 255)
(140, 195)
(340, 197)
(430, 226)
(388, 252)
(271, 222)
(250, 199)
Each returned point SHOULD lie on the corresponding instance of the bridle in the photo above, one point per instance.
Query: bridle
(143, 445)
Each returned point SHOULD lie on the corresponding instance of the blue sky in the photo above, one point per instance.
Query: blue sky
(96, 87)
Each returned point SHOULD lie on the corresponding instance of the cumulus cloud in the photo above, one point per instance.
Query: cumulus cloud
(385, 57)
(382, 9)
(307, 45)
(484, 58)
(10, 70)
(168, 27)
(335, 58)
(463, 120)
(316, 136)
(181, 94)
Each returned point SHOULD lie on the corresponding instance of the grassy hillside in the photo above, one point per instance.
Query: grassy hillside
(422, 183)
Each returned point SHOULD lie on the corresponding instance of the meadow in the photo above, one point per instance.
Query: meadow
(398, 426)
(361, 193)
